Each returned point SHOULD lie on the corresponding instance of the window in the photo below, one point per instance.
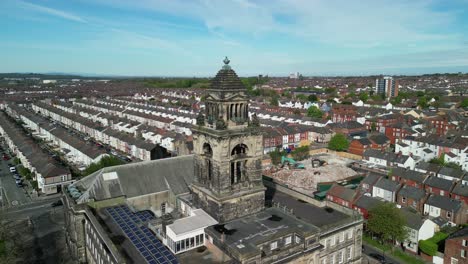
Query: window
(350, 234)
(298, 240)
(449, 214)
(333, 240)
(463, 253)
(453, 261)
(339, 256)
(348, 252)
(403, 199)
(274, 245)
(287, 241)
(328, 243)
(342, 237)
(442, 192)
(464, 242)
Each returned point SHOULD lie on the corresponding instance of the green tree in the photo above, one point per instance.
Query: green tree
(387, 222)
(301, 97)
(107, 161)
(275, 156)
(300, 153)
(313, 111)
(420, 94)
(396, 100)
(422, 102)
(312, 98)
(364, 97)
(373, 126)
(464, 103)
(296, 112)
(338, 142)
(274, 101)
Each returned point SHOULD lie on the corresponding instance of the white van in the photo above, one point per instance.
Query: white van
(12, 169)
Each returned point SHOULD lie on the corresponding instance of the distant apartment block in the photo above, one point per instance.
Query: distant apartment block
(387, 86)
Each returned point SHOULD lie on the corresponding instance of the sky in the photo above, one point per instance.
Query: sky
(273, 37)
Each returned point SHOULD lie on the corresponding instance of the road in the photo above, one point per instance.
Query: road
(369, 250)
(13, 195)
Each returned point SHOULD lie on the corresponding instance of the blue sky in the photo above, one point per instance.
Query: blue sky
(275, 37)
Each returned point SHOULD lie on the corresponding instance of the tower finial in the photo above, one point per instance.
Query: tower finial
(226, 63)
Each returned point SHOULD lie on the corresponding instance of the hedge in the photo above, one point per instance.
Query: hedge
(428, 247)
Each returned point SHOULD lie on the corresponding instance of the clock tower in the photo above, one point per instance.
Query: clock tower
(228, 149)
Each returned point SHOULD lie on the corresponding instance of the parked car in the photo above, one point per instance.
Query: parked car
(18, 181)
(17, 177)
(57, 203)
(19, 184)
(5, 157)
(12, 169)
(378, 257)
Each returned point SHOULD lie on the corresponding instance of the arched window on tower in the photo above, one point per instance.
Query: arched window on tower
(238, 155)
(208, 153)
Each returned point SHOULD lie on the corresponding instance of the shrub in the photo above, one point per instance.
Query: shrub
(428, 247)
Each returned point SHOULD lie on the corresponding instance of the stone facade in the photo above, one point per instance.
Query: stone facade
(228, 151)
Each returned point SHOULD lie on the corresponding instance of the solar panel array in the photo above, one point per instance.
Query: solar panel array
(152, 250)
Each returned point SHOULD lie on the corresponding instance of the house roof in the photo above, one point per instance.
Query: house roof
(387, 184)
(426, 166)
(367, 202)
(455, 173)
(409, 174)
(412, 192)
(460, 189)
(341, 192)
(444, 203)
(460, 233)
(439, 183)
(371, 179)
(379, 139)
(413, 219)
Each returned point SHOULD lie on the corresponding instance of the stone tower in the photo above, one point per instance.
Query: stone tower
(228, 150)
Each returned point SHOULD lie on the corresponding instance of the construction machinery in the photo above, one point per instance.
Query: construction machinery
(291, 162)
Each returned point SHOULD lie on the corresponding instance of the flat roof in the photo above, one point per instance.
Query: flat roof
(199, 219)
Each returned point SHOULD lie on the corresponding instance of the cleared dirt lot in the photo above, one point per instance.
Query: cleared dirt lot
(305, 180)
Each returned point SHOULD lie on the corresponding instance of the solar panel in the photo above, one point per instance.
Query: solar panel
(142, 238)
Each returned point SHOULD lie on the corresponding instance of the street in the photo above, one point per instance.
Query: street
(13, 195)
(369, 250)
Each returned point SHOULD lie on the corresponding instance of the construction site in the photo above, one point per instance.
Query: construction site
(303, 176)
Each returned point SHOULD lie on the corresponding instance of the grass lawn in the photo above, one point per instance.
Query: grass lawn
(397, 253)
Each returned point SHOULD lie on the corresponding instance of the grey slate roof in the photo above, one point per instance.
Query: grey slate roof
(408, 174)
(444, 203)
(412, 192)
(413, 219)
(371, 179)
(137, 179)
(367, 202)
(455, 173)
(387, 184)
(440, 183)
(460, 189)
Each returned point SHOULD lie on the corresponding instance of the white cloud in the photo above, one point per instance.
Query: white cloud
(51, 11)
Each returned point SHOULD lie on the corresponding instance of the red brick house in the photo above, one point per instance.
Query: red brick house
(383, 121)
(460, 192)
(441, 124)
(398, 131)
(376, 141)
(349, 128)
(358, 146)
(341, 195)
(272, 138)
(411, 197)
(364, 204)
(438, 186)
(456, 247)
(408, 177)
(343, 113)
